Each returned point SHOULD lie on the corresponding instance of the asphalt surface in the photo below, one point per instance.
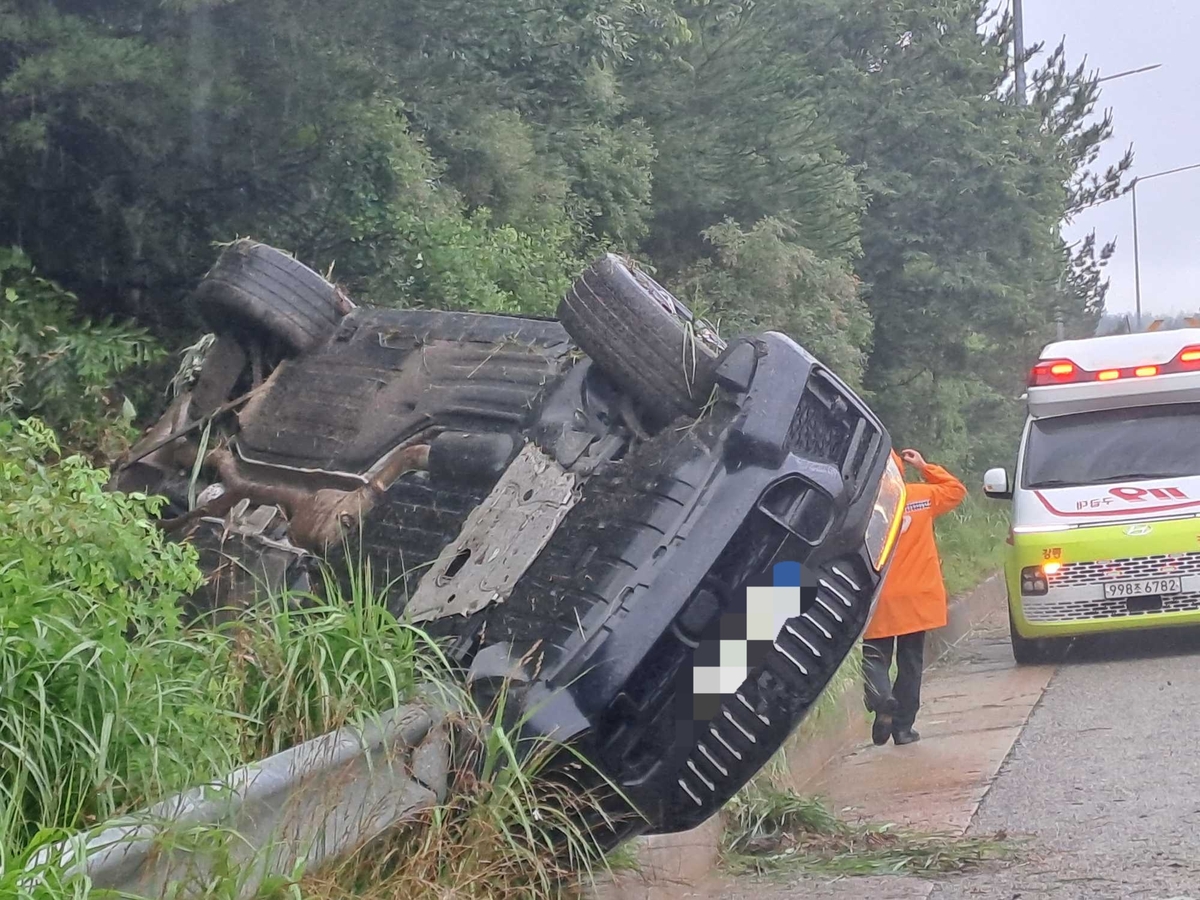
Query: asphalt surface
(1104, 781)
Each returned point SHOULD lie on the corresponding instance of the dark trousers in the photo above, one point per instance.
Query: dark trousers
(903, 698)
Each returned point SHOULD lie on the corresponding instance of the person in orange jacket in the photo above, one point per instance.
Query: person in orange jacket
(912, 601)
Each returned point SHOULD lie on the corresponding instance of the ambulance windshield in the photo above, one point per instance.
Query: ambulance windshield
(1113, 445)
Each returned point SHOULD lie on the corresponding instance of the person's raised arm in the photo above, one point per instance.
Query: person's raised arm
(946, 491)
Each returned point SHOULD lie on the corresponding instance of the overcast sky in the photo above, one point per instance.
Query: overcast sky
(1157, 113)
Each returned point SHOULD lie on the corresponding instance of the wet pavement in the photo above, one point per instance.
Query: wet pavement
(1105, 778)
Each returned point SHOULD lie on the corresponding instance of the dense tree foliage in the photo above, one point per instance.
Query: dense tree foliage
(856, 173)
(63, 367)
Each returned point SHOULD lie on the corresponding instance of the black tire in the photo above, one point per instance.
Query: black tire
(258, 288)
(1031, 651)
(643, 337)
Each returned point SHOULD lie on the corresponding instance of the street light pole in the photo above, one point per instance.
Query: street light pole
(1137, 268)
(1130, 72)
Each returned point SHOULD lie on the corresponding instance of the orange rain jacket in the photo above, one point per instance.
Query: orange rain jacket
(913, 597)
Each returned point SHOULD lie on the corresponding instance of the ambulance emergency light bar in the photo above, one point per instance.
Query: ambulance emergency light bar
(1050, 372)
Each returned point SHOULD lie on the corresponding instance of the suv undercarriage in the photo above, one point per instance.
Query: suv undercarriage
(587, 510)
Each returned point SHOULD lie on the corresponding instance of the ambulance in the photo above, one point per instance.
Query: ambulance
(1105, 496)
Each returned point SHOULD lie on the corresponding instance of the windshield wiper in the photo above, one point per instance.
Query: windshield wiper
(1054, 483)
(1138, 476)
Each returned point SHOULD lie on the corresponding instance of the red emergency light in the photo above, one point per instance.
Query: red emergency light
(1051, 372)
(1056, 371)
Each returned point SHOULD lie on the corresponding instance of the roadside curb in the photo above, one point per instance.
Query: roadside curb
(676, 860)
(964, 615)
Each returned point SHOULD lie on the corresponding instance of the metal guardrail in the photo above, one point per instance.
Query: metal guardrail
(299, 808)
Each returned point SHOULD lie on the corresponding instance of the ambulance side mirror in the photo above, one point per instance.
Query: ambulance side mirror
(996, 484)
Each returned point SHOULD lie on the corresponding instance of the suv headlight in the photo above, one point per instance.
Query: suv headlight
(886, 515)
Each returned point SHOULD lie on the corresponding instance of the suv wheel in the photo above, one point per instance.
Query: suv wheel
(643, 337)
(258, 288)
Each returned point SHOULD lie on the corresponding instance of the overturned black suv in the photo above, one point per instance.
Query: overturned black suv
(663, 543)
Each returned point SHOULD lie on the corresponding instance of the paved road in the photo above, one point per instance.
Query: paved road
(1105, 778)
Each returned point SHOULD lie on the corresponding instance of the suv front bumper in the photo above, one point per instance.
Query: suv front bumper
(793, 478)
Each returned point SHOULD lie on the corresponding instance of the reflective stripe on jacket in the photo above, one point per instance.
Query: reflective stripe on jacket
(913, 596)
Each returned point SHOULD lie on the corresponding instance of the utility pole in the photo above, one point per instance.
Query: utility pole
(1019, 50)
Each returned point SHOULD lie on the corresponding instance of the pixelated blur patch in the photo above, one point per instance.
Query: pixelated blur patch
(744, 637)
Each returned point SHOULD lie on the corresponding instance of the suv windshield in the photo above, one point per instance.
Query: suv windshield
(1113, 445)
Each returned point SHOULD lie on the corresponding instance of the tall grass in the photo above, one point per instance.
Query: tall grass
(297, 665)
(285, 674)
(108, 703)
(90, 720)
(512, 827)
(92, 730)
(971, 542)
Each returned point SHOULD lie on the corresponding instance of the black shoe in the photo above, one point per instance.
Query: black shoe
(881, 729)
(907, 736)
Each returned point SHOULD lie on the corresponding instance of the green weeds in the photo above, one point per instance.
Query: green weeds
(513, 826)
(971, 542)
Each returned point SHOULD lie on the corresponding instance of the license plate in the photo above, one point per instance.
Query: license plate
(1143, 587)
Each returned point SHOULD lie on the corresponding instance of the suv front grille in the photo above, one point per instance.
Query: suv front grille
(826, 427)
(807, 652)
(823, 424)
(721, 753)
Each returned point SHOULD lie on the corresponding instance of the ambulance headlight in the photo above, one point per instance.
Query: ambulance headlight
(1035, 581)
(886, 515)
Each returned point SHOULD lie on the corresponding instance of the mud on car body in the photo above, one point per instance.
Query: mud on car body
(577, 506)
